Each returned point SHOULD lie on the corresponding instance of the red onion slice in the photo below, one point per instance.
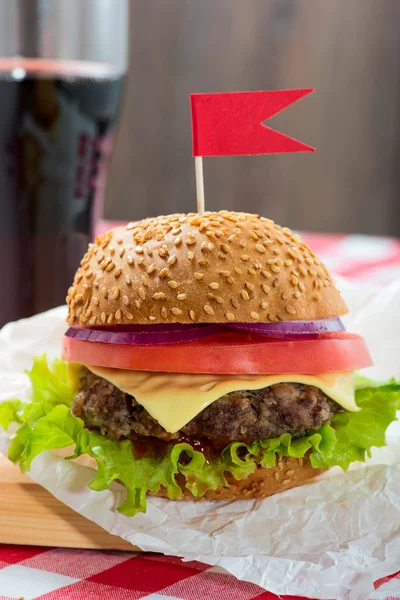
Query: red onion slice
(146, 335)
(293, 328)
(176, 333)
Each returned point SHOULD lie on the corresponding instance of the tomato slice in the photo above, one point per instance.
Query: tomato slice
(229, 353)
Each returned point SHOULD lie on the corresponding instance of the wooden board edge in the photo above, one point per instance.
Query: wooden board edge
(30, 515)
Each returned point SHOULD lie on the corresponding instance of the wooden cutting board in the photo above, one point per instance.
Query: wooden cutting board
(29, 514)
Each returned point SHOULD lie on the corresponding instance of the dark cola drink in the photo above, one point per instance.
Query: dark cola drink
(56, 133)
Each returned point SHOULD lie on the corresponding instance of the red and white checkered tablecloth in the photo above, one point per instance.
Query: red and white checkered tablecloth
(62, 574)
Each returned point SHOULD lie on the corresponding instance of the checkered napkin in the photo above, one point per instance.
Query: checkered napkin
(62, 574)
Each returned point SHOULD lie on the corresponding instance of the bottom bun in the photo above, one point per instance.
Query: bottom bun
(288, 473)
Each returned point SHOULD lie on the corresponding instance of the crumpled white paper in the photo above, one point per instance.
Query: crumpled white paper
(328, 539)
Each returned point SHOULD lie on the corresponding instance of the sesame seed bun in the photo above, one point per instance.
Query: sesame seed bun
(216, 267)
(288, 473)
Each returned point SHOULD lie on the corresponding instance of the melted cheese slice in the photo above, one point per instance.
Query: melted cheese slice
(174, 399)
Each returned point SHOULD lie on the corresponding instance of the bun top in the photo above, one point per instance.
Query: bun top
(215, 267)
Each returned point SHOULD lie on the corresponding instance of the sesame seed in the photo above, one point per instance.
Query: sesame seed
(225, 248)
(265, 288)
(264, 305)
(285, 481)
(245, 257)
(238, 271)
(164, 272)
(285, 295)
(297, 294)
(144, 280)
(110, 319)
(230, 316)
(137, 303)
(290, 472)
(294, 280)
(219, 299)
(176, 311)
(288, 262)
(164, 313)
(181, 296)
(292, 253)
(289, 309)
(192, 315)
(224, 273)
(254, 236)
(130, 260)
(125, 300)
(172, 284)
(276, 476)
(309, 260)
(117, 272)
(190, 241)
(302, 270)
(128, 280)
(252, 271)
(115, 294)
(210, 296)
(190, 256)
(208, 309)
(122, 252)
(198, 276)
(171, 261)
(302, 287)
(93, 321)
(110, 267)
(231, 237)
(230, 280)
(245, 295)
(327, 283)
(249, 286)
(214, 285)
(317, 296)
(95, 301)
(142, 293)
(275, 269)
(266, 274)
(152, 318)
(203, 262)
(272, 317)
(243, 243)
(210, 246)
(139, 250)
(176, 231)
(203, 246)
(178, 241)
(151, 268)
(118, 314)
(254, 315)
(234, 303)
(260, 248)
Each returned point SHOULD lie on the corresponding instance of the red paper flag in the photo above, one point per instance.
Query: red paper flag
(233, 123)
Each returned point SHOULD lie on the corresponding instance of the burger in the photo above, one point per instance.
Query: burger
(205, 359)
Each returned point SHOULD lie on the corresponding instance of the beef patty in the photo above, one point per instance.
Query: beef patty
(238, 416)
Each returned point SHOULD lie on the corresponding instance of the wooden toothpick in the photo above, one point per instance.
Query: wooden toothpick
(198, 165)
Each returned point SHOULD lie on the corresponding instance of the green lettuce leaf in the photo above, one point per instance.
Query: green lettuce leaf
(46, 423)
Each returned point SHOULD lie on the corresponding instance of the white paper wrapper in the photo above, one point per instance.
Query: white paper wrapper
(329, 539)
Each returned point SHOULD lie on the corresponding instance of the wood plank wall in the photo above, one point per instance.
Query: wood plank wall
(349, 50)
